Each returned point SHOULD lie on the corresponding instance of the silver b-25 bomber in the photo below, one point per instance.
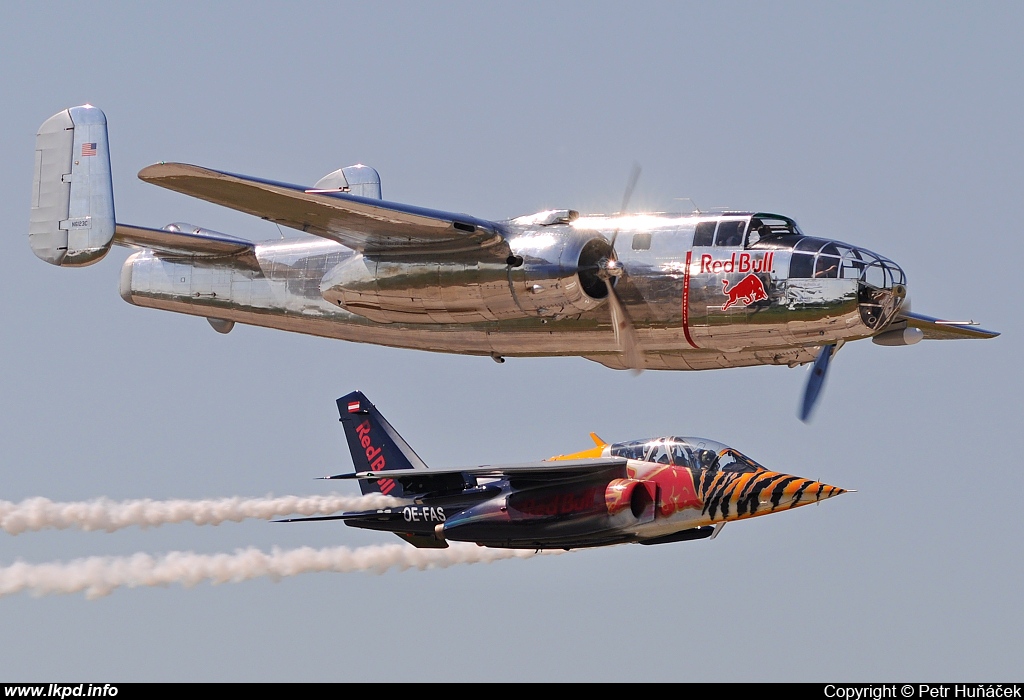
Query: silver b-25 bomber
(631, 291)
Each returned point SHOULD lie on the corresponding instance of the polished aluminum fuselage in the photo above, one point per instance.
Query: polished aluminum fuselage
(676, 294)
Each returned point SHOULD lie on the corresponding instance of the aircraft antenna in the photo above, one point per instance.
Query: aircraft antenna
(279, 230)
(696, 209)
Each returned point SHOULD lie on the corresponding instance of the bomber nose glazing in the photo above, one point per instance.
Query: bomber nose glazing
(882, 287)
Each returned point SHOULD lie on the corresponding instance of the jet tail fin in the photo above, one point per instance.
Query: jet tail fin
(72, 219)
(374, 444)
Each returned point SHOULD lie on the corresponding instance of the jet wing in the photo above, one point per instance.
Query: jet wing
(559, 469)
(371, 226)
(938, 329)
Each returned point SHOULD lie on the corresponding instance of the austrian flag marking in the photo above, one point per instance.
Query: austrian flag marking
(353, 406)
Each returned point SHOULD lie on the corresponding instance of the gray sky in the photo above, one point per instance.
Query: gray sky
(894, 126)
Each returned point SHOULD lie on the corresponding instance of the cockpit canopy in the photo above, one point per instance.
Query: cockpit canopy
(693, 452)
(739, 229)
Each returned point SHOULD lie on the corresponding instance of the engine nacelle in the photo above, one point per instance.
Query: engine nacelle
(552, 273)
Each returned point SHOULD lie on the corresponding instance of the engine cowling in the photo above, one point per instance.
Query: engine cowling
(552, 273)
(633, 498)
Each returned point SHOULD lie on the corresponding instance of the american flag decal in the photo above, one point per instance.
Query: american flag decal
(88, 149)
(353, 406)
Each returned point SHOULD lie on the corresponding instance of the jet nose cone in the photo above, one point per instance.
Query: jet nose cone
(772, 492)
(802, 492)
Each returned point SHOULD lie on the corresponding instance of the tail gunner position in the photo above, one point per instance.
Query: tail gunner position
(643, 291)
(655, 491)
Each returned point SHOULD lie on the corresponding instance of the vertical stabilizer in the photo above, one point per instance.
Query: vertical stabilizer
(358, 179)
(374, 444)
(72, 220)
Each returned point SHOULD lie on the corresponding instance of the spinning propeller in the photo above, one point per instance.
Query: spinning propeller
(608, 269)
(816, 380)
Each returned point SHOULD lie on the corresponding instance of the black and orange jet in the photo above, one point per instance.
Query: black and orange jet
(652, 491)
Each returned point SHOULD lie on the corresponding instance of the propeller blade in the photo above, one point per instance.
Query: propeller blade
(634, 175)
(625, 333)
(815, 381)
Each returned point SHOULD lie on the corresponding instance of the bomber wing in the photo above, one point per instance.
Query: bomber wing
(555, 470)
(371, 226)
(938, 329)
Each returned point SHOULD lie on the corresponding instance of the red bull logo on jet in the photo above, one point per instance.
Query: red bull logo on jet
(374, 455)
(748, 290)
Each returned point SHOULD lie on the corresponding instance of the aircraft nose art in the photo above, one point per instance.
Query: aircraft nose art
(802, 492)
(764, 492)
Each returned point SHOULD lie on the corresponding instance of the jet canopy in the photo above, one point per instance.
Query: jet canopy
(693, 452)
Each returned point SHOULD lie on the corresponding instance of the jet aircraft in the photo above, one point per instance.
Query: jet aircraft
(668, 489)
(693, 291)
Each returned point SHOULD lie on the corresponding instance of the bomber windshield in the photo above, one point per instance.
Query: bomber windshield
(817, 257)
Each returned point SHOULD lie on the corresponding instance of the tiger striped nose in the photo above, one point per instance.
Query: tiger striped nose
(805, 491)
(774, 492)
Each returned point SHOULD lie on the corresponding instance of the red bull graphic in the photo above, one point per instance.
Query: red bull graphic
(738, 262)
(748, 290)
(556, 502)
(676, 490)
(374, 455)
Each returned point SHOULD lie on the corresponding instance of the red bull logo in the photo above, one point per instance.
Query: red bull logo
(738, 262)
(374, 455)
(561, 502)
(676, 490)
(747, 290)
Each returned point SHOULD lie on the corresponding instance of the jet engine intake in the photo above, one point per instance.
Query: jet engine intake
(636, 495)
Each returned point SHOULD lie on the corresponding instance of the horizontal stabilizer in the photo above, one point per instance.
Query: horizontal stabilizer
(365, 224)
(938, 329)
(311, 519)
(182, 240)
(377, 515)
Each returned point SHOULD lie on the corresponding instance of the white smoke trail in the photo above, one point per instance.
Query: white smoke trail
(103, 514)
(99, 576)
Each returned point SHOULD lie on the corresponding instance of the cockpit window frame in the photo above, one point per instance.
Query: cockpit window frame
(724, 238)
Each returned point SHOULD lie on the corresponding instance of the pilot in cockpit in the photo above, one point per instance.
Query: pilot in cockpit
(707, 458)
(730, 233)
(755, 231)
